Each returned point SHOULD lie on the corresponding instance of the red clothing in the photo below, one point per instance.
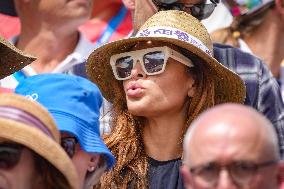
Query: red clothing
(95, 30)
(9, 26)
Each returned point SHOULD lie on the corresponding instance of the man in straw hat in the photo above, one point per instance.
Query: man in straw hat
(30, 154)
(158, 82)
(12, 59)
(262, 90)
(222, 150)
(76, 111)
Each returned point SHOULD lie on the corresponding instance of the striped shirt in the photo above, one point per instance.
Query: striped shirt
(262, 90)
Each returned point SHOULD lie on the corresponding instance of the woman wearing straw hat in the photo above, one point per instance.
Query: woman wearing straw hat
(30, 154)
(158, 82)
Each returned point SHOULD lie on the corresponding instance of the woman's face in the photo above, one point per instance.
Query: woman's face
(82, 160)
(22, 175)
(156, 95)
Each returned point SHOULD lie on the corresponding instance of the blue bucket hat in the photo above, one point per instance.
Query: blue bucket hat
(74, 103)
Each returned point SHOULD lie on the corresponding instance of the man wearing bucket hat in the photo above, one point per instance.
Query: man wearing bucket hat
(12, 59)
(255, 20)
(75, 109)
(158, 82)
(262, 90)
(30, 154)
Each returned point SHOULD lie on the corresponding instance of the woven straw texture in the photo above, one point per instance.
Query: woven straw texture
(12, 59)
(229, 86)
(34, 138)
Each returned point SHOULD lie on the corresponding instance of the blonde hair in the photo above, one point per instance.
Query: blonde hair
(125, 140)
(241, 27)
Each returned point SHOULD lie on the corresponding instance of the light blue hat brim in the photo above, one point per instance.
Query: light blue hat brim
(88, 139)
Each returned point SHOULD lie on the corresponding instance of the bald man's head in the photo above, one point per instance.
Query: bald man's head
(231, 133)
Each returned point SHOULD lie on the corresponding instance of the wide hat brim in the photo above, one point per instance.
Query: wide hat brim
(12, 59)
(40, 144)
(229, 87)
(88, 139)
(43, 142)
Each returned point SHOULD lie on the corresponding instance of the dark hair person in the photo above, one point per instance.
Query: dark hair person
(158, 82)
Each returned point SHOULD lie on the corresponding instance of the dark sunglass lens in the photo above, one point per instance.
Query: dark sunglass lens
(69, 145)
(9, 155)
(154, 61)
(202, 11)
(124, 66)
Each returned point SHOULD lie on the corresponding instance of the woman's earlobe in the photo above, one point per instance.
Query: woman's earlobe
(94, 160)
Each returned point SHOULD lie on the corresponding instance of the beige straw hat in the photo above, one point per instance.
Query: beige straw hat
(26, 122)
(174, 27)
(12, 59)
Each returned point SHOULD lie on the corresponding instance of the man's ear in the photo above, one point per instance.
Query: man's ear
(92, 164)
(186, 176)
(280, 6)
(129, 4)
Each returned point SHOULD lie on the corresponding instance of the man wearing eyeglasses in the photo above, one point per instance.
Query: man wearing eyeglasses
(262, 90)
(237, 151)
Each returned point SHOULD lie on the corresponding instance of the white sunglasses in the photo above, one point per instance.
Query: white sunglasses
(152, 60)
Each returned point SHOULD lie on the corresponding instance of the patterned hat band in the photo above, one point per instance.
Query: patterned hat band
(174, 33)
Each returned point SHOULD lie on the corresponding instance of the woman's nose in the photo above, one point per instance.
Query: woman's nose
(137, 72)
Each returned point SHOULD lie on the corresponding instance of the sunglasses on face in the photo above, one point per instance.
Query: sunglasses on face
(241, 172)
(200, 11)
(152, 60)
(69, 145)
(10, 154)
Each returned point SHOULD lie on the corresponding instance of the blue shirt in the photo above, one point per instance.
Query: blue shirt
(262, 90)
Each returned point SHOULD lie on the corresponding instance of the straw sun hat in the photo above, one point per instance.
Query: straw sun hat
(174, 27)
(26, 122)
(12, 59)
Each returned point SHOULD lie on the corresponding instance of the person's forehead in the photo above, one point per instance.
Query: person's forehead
(222, 143)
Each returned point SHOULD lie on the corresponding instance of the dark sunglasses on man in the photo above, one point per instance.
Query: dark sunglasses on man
(200, 11)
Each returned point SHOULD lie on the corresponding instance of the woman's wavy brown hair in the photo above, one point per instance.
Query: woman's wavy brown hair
(125, 140)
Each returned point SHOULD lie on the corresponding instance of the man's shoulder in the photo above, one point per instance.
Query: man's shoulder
(234, 57)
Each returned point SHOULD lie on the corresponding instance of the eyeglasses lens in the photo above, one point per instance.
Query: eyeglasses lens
(9, 155)
(240, 172)
(124, 66)
(154, 61)
(69, 145)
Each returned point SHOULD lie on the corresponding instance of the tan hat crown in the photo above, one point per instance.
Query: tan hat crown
(175, 24)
